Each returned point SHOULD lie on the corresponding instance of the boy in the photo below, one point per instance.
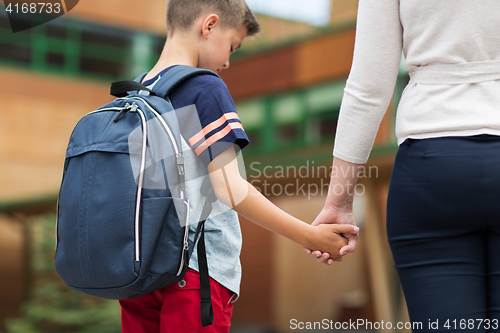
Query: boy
(204, 33)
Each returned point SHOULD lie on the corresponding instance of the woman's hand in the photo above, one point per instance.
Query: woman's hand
(338, 207)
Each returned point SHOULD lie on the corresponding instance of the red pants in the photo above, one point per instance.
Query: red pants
(176, 309)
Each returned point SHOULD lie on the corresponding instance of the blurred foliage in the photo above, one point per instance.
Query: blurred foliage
(52, 307)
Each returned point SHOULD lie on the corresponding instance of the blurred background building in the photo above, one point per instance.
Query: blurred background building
(287, 84)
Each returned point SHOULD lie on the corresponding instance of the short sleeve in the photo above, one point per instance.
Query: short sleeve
(207, 116)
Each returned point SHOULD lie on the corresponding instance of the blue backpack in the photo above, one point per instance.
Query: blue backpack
(122, 217)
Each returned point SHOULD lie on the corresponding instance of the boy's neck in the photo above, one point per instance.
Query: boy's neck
(180, 49)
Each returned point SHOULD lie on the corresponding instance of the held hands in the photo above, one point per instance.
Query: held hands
(336, 216)
(338, 209)
(330, 239)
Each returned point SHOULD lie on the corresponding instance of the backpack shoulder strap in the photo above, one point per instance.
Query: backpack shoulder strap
(162, 88)
(175, 76)
(207, 315)
(170, 80)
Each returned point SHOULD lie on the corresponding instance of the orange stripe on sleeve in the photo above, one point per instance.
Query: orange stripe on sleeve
(213, 125)
(216, 137)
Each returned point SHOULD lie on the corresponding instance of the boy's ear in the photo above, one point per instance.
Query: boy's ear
(209, 24)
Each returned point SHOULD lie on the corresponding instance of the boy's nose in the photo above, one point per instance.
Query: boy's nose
(226, 65)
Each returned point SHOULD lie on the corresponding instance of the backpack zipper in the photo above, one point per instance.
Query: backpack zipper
(140, 182)
(177, 156)
(108, 109)
(185, 249)
(162, 121)
(141, 174)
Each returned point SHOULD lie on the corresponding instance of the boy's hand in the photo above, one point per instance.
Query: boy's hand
(327, 238)
(335, 215)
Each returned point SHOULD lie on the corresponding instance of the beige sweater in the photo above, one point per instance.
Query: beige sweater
(452, 51)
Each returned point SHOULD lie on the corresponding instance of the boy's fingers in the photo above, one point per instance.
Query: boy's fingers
(344, 228)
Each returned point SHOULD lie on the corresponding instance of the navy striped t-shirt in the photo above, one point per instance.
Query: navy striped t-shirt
(211, 127)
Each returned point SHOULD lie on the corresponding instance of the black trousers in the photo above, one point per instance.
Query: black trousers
(443, 225)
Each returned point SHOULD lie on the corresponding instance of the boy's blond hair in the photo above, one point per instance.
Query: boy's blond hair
(181, 14)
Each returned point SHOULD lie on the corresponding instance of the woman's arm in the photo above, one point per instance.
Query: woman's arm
(368, 92)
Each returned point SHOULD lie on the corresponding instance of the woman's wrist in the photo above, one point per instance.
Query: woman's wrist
(342, 204)
(343, 180)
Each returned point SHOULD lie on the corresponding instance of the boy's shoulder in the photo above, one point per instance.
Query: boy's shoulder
(202, 89)
(195, 81)
(206, 81)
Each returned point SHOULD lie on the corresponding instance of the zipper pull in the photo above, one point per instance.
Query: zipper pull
(186, 246)
(128, 107)
(125, 109)
(133, 107)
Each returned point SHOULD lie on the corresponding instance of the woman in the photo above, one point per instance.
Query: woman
(443, 213)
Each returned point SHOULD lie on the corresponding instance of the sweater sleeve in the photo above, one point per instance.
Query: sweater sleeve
(370, 86)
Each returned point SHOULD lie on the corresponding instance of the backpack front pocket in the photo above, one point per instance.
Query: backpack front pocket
(162, 236)
(95, 247)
